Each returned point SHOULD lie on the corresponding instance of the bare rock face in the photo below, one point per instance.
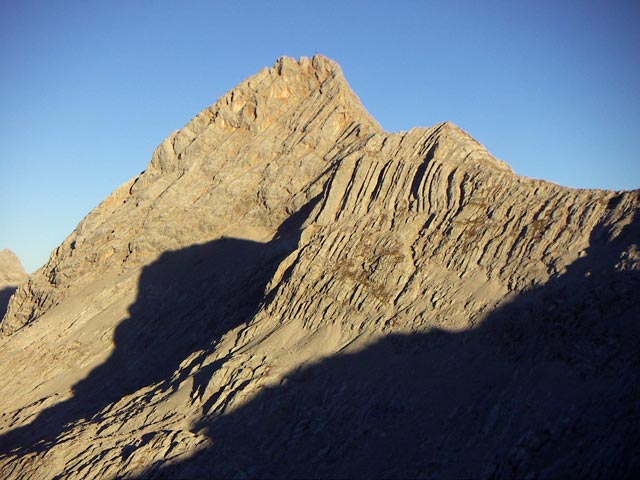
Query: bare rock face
(11, 270)
(290, 291)
(239, 168)
(11, 274)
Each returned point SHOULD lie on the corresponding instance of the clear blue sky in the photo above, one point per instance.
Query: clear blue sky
(89, 88)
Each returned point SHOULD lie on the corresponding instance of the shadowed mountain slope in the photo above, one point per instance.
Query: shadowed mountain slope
(289, 291)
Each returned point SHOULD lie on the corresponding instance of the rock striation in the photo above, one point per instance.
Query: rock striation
(290, 291)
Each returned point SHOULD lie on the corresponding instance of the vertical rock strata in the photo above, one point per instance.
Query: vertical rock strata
(290, 291)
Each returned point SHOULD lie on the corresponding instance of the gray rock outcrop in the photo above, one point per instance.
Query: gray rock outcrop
(11, 275)
(290, 291)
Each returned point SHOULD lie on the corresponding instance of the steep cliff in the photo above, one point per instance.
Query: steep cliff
(288, 290)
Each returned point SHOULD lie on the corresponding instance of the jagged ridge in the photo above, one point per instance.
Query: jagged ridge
(282, 227)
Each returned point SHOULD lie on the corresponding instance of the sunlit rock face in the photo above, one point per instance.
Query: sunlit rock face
(11, 275)
(289, 291)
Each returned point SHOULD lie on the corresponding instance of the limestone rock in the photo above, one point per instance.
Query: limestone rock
(11, 270)
(290, 291)
(11, 274)
(239, 167)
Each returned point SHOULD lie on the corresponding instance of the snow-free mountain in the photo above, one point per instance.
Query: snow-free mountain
(290, 291)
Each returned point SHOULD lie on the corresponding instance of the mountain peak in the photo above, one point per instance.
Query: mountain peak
(11, 275)
(290, 291)
(11, 269)
(291, 95)
(319, 63)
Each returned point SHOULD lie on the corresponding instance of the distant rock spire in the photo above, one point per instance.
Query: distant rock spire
(11, 270)
(11, 275)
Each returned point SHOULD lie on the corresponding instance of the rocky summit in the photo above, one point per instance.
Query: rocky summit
(290, 291)
(11, 275)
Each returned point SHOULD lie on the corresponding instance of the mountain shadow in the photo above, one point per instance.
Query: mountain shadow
(547, 386)
(5, 295)
(187, 300)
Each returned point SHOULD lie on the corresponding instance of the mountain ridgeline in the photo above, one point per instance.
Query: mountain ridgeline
(290, 291)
